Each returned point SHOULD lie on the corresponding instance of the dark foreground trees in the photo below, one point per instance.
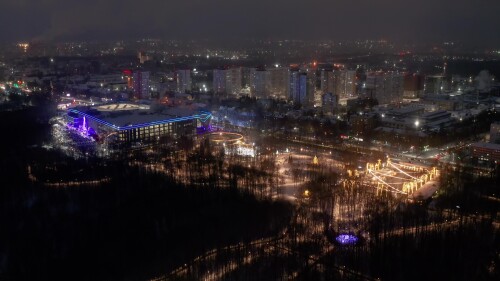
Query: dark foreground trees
(137, 226)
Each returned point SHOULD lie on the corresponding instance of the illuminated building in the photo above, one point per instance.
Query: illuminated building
(385, 87)
(258, 82)
(141, 84)
(402, 120)
(278, 82)
(183, 80)
(136, 123)
(128, 76)
(362, 125)
(227, 81)
(485, 151)
(313, 96)
(298, 87)
(219, 81)
(328, 82)
(345, 83)
(233, 81)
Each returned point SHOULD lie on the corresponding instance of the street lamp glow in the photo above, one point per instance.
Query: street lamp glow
(417, 123)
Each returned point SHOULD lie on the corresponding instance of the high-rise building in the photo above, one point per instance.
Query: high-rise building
(141, 84)
(413, 86)
(258, 82)
(345, 84)
(245, 77)
(374, 84)
(329, 103)
(327, 82)
(233, 81)
(385, 87)
(183, 80)
(394, 86)
(278, 82)
(298, 87)
(227, 82)
(313, 93)
(219, 81)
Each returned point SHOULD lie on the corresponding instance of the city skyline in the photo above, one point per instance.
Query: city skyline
(250, 140)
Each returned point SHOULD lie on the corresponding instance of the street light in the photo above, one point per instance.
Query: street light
(417, 123)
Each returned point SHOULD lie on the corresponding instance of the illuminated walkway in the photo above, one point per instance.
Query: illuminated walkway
(403, 178)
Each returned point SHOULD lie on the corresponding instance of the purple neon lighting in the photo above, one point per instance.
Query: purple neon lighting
(204, 116)
(81, 126)
(346, 239)
(206, 129)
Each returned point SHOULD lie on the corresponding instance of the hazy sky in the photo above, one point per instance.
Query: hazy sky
(474, 21)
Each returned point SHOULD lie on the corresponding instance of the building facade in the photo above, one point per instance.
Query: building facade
(345, 84)
(258, 82)
(183, 80)
(125, 124)
(219, 81)
(278, 82)
(386, 87)
(298, 87)
(141, 84)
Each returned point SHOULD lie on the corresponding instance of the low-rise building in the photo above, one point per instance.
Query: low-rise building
(486, 151)
(126, 123)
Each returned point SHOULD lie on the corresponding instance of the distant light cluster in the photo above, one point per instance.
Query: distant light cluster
(347, 239)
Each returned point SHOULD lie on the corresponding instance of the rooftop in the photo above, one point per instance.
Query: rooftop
(407, 110)
(130, 116)
(487, 145)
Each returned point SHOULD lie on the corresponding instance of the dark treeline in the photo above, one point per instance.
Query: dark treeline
(125, 228)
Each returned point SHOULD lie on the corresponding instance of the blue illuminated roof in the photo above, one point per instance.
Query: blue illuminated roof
(126, 122)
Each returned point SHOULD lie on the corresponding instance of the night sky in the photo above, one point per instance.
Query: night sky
(474, 22)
